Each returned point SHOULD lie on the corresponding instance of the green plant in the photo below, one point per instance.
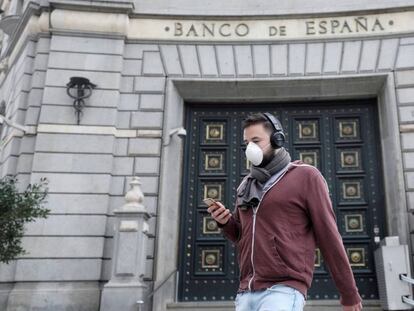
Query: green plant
(16, 209)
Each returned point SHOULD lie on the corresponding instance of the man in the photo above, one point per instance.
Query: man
(283, 211)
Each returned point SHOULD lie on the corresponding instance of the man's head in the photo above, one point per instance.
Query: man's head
(257, 129)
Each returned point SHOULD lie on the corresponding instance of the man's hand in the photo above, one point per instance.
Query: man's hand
(219, 212)
(357, 307)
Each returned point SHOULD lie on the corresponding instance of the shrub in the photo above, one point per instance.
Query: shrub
(16, 209)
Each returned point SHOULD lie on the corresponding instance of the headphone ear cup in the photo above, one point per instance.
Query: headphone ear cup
(278, 139)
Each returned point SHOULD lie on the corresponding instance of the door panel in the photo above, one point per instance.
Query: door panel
(340, 138)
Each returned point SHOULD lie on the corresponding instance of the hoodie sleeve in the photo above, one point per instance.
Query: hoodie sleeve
(329, 240)
(232, 229)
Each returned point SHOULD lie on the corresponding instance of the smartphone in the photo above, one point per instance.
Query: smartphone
(209, 201)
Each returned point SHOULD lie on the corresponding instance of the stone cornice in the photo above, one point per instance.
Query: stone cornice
(244, 29)
(117, 18)
(89, 22)
(113, 6)
(271, 29)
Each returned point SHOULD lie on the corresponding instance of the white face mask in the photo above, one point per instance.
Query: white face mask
(254, 153)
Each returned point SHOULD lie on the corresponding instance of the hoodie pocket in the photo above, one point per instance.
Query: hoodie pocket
(277, 255)
(291, 253)
(268, 262)
(243, 258)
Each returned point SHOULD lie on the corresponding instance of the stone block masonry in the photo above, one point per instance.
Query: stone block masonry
(122, 129)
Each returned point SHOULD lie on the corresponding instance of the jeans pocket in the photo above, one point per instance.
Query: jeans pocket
(279, 298)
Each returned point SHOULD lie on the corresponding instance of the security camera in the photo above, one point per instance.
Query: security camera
(182, 133)
(179, 131)
(12, 124)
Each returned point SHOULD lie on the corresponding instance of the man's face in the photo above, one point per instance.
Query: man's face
(257, 134)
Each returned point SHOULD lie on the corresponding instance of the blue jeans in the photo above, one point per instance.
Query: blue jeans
(276, 298)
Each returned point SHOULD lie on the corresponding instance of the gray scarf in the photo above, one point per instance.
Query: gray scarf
(249, 192)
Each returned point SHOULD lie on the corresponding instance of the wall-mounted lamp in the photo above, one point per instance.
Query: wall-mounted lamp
(82, 88)
(179, 131)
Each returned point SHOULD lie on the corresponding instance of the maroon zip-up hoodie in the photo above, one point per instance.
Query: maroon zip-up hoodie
(294, 216)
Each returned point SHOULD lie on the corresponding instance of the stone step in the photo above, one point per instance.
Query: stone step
(311, 305)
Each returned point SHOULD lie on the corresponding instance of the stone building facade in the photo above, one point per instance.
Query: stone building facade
(157, 65)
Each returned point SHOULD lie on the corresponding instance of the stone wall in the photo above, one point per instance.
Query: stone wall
(89, 166)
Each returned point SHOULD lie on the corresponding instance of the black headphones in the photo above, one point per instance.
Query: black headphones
(277, 138)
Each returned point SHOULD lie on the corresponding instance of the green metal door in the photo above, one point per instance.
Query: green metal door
(340, 138)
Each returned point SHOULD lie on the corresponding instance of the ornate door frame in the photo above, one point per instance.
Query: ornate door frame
(253, 90)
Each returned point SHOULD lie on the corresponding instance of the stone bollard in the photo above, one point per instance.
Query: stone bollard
(126, 288)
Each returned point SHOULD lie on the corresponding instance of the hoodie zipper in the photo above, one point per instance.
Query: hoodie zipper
(255, 209)
(251, 256)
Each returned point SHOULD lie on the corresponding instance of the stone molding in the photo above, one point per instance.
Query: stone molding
(90, 22)
(79, 129)
(272, 29)
(407, 128)
(97, 130)
(112, 6)
(232, 30)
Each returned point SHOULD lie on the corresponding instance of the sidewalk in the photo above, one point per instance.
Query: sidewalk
(312, 305)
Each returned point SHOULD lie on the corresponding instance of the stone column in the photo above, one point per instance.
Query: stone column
(125, 290)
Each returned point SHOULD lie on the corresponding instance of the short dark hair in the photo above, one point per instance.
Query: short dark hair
(257, 118)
